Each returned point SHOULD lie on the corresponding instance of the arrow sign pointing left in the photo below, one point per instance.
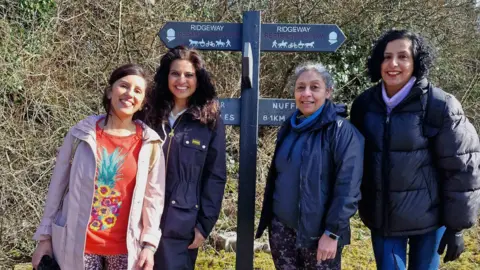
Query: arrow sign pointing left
(202, 36)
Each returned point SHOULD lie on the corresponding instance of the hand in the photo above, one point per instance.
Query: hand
(44, 247)
(145, 260)
(197, 241)
(454, 241)
(327, 248)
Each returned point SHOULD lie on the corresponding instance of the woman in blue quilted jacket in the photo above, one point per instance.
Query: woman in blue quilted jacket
(313, 185)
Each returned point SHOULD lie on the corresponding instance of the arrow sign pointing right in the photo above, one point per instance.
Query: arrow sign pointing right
(301, 37)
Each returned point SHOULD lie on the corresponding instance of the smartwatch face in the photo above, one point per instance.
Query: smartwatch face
(333, 236)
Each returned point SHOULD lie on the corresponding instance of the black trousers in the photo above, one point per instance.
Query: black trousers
(173, 254)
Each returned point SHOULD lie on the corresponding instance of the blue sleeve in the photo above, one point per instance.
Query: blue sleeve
(348, 147)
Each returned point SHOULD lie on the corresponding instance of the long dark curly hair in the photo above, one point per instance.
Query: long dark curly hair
(423, 54)
(203, 103)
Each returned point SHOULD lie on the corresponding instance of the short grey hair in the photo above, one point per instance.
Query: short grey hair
(317, 67)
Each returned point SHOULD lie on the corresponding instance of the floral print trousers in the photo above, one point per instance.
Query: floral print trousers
(106, 262)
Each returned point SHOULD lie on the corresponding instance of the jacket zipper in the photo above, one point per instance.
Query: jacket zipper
(170, 135)
(170, 138)
(300, 188)
(386, 161)
(385, 183)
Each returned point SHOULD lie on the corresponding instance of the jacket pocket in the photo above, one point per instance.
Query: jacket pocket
(58, 242)
(180, 221)
(194, 150)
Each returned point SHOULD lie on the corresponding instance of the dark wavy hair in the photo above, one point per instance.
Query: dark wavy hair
(203, 103)
(423, 54)
(117, 74)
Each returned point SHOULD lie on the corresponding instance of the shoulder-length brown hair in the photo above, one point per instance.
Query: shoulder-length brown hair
(117, 74)
(203, 104)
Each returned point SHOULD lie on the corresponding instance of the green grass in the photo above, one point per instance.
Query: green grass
(357, 256)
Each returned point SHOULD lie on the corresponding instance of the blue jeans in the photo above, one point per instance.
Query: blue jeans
(391, 252)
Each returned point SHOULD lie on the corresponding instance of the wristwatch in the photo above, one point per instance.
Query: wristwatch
(332, 235)
(149, 246)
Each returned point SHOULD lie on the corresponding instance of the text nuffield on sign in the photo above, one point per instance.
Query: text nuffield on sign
(271, 111)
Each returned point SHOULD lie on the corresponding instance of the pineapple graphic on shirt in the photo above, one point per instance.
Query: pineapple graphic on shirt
(106, 201)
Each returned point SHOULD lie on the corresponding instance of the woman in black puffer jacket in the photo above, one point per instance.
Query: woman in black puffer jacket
(421, 169)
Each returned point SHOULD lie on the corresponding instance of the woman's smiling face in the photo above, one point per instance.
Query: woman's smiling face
(182, 79)
(310, 92)
(397, 66)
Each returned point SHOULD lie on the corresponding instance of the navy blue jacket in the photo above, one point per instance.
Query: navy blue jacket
(413, 184)
(195, 177)
(330, 177)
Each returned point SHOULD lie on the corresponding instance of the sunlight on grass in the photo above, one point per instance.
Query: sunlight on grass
(357, 256)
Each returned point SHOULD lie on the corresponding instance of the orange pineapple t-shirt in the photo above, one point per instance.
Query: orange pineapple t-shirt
(114, 185)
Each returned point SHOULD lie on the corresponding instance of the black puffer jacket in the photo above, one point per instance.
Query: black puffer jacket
(413, 184)
(330, 176)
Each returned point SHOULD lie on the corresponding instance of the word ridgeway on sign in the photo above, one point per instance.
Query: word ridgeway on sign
(207, 27)
(271, 111)
(293, 29)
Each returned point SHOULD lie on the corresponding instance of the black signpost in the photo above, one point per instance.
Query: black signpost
(251, 37)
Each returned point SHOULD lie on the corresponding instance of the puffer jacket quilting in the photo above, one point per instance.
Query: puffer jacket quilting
(413, 184)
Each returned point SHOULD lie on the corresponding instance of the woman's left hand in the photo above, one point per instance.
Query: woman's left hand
(327, 248)
(197, 241)
(145, 260)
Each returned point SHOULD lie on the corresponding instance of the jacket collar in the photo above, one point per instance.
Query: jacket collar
(419, 88)
(328, 115)
(86, 129)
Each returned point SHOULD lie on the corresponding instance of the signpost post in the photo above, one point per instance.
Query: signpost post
(251, 37)
(248, 139)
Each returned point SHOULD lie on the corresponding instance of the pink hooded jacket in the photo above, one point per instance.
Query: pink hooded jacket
(67, 227)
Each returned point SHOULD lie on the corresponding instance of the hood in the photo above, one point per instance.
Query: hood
(341, 110)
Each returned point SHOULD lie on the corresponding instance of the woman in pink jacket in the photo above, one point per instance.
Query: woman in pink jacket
(106, 194)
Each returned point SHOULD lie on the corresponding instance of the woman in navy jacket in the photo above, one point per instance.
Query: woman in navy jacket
(313, 185)
(187, 116)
